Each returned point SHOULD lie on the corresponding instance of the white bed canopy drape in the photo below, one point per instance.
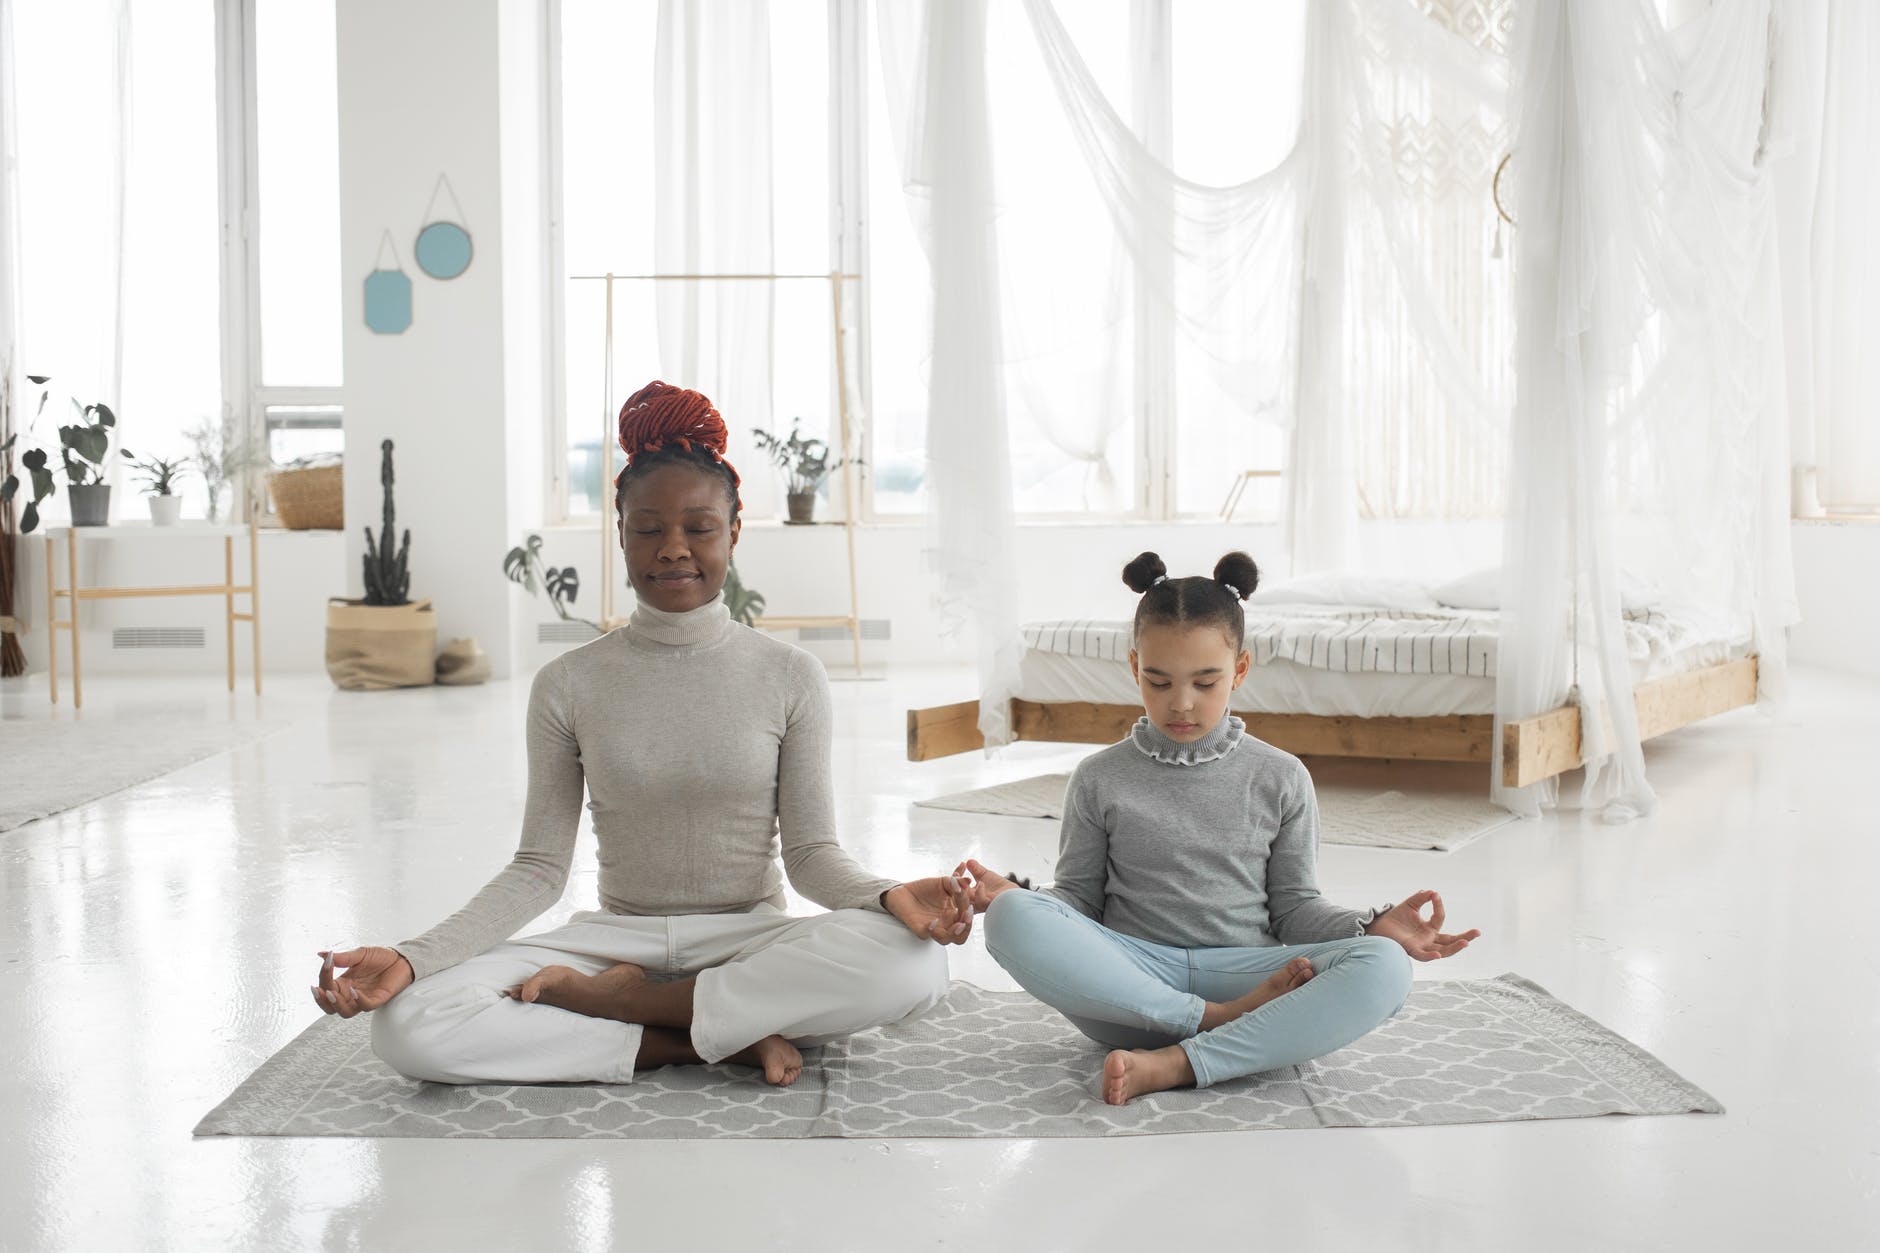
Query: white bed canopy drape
(1359, 294)
(1650, 426)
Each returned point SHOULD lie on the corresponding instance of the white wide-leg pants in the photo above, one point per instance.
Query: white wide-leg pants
(810, 980)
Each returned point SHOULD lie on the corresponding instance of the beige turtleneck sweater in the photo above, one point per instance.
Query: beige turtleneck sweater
(700, 742)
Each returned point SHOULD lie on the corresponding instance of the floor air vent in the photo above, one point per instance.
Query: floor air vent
(157, 637)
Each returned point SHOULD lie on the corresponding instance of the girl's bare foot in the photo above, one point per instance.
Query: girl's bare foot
(1293, 974)
(776, 1057)
(1134, 1072)
(605, 995)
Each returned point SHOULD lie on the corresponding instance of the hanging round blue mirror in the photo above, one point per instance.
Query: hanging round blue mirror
(443, 250)
(443, 247)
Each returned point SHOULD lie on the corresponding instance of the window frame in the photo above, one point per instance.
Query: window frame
(245, 398)
(1157, 423)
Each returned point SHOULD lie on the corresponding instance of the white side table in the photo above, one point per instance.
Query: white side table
(185, 533)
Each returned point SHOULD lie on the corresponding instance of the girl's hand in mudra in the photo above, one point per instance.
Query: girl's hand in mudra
(367, 978)
(986, 884)
(1422, 938)
(936, 909)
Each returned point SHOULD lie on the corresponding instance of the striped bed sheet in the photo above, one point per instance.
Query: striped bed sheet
(1348, 640)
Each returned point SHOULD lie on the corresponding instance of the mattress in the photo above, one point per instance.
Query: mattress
(1356, 661)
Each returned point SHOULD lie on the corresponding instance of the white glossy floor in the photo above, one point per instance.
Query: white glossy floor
(156, 945)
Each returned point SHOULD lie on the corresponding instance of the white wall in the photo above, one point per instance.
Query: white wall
(1837, 582)
(421, 93)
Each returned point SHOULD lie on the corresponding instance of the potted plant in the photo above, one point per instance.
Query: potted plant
(385, 639)
(806, 463)
(219, 457)
(84, 445)
(523, 565)
(161, 475)
(745, 603)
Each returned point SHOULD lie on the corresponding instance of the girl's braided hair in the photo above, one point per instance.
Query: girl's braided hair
(1194, 600)
(664, 425)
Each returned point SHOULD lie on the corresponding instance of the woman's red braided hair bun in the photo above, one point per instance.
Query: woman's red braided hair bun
(660, 416)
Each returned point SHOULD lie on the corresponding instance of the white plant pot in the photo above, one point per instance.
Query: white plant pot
(165, 510)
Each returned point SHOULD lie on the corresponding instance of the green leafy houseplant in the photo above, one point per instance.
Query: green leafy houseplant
(159, 473)
(524, 566)
(388, 578)
(805, 462)
(83, 446)
(746, 604)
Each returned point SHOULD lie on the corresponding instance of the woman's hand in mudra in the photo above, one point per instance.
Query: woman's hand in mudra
(1422, 938)
(936, 909)
(366, 978)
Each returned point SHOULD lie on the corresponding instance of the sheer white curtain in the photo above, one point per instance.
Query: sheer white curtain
(1842, 432)
(934, 61)
(1650, 423)
(712, 215)
(12, 660)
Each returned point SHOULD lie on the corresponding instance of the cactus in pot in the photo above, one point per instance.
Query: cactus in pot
(387, 576)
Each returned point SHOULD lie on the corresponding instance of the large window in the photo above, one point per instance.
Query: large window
(120, 308)
(294, 327)
(1176, 457)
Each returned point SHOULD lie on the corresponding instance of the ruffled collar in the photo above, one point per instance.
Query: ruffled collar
(707, 624)
(1213, 746)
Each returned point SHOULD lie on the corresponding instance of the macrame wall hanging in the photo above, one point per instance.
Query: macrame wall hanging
(443, 247)
(388, 293)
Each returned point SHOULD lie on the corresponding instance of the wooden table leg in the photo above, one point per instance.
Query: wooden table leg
(228, 596)
(71, 583)
(52, 620)
(254, 599)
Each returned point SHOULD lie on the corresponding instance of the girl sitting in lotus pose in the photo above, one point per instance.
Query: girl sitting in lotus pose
(1185, 928)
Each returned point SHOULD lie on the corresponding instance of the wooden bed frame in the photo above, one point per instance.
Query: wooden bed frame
(1533, 749)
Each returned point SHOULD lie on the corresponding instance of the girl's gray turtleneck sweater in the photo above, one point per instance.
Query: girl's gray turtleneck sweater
(1213, 844)
(701, 742)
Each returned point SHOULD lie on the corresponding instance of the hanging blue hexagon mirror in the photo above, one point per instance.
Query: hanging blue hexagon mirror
(387, 293)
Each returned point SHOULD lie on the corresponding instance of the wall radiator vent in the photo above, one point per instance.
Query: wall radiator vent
(563, 632)
(872, 629)
(157, 637)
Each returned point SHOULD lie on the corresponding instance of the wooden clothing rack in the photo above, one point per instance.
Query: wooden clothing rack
(838, 281)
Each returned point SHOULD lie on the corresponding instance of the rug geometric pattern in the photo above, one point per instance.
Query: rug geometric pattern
(999, 1064)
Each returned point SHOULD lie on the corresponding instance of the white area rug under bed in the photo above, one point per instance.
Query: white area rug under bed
(999, 1064)
(1348, 813)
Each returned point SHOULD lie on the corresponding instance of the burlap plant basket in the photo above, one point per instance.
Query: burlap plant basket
(372, 647)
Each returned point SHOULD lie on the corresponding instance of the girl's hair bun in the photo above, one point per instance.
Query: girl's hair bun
(1238, 572)
(660, 415)
(1142, 573)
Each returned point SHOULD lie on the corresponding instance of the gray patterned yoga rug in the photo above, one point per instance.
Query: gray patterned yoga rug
(1349, 813)
(999, 1064)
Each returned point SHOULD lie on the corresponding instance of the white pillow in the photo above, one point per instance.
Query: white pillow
(1482, 590)
(1342, 587)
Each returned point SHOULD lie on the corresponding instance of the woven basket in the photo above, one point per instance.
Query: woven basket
(311, 499)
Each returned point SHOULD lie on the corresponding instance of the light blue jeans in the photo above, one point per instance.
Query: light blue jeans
(1130, 993)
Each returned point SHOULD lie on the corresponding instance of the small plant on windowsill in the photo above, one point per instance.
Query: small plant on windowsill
(806, 463)
(160, 475)
(221, 457)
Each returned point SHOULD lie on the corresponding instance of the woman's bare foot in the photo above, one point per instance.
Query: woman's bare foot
(605, 995)
(776, 1057)
(1134, 1072)
(1292, 975)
